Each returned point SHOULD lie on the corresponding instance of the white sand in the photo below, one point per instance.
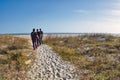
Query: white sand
(49, 66)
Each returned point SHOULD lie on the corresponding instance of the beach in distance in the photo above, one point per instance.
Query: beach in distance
(27, 35)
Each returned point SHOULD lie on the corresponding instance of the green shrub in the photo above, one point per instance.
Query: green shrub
(103, 56)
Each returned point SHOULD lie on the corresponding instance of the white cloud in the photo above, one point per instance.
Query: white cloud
(113, 12)
(112, 20)
(107, 20)
(81, 11)
(92, 26)
(95, 26)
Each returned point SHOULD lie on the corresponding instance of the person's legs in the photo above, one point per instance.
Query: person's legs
(35, 44)
(40, 41)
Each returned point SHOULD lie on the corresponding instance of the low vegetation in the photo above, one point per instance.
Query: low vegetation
(14, 53)
(97, 56)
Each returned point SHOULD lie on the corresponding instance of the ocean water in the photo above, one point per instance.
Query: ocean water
(50, 34)
(27, 35)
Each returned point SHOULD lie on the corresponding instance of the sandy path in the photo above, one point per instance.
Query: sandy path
(49, 66)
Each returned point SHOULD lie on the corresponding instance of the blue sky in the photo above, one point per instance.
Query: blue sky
(21, 16)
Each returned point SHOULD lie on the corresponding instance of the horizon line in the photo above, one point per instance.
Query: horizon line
(60, 33)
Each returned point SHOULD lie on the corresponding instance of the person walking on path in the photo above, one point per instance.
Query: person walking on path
(34, 39)
(41, 36)
(38, 39)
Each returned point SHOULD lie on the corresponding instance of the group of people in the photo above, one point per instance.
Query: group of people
(36, 37)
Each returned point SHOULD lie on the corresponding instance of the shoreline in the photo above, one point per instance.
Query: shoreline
(62, 34)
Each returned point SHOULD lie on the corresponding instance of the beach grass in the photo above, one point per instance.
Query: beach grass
(96, 56)
(14, 52)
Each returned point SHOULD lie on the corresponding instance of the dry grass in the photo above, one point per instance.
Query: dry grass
(14, 51)
(97, 57)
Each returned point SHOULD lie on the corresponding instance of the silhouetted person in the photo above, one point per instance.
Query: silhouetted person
(38, 37)
(34, 39)
(41, 36)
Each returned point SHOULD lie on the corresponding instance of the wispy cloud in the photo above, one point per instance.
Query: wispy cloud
(94, 26)
(113, 12)
(111, 16)
(101, 20)
(81, 11)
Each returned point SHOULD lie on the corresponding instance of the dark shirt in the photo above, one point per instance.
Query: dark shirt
(41, 34)
(38, 33)
(33, 35)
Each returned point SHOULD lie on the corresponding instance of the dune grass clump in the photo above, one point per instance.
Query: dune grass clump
(96, 56)
(14, 52)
